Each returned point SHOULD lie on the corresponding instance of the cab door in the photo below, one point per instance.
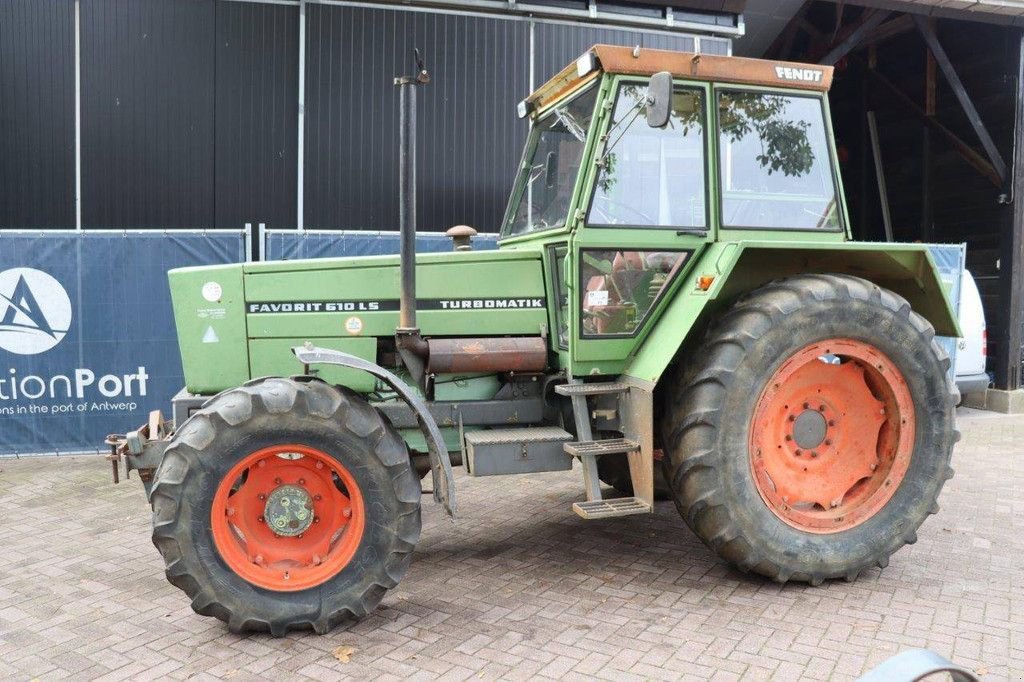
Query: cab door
(646, 214)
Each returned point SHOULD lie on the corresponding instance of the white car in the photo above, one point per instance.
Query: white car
(972, 348)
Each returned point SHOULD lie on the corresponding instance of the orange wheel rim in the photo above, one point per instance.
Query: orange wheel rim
(287, 518)
(832, 436)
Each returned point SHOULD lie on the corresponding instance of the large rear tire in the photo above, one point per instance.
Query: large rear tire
(813, 429)
(286, 504)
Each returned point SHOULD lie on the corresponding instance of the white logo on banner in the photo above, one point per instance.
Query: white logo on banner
(35, 311)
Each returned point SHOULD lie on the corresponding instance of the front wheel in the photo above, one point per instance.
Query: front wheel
(813, 430)
(285, 504)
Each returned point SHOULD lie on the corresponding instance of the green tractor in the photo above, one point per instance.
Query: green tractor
(675, 306)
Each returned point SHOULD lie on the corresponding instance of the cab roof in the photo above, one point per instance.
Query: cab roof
(694, 66)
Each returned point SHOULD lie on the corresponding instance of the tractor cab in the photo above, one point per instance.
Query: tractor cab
(638, 159)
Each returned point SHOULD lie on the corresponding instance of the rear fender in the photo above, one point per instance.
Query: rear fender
(739, 267)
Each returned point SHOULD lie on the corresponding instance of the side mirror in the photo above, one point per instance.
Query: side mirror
(551, 169)
(659, 99)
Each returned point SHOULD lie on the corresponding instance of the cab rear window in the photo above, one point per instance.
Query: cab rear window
(776, 169)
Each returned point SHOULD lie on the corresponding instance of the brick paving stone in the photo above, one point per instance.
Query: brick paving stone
(521, 588)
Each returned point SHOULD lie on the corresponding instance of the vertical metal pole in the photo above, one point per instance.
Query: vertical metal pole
(533, 56)
(300, 151)
(407, 204)
(78, 116)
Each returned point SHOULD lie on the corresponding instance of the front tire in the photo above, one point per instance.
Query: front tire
(285, 504)
(813, 430)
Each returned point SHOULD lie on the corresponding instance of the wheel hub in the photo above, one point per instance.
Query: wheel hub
(289, 511)
(287, 517)
(831, 435)
(809, 429)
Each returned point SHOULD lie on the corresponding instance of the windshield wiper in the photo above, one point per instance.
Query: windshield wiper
(571, 125)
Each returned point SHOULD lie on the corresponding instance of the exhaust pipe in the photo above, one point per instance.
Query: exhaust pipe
(412, 348)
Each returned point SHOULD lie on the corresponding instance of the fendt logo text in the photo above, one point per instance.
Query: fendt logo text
(35, 311)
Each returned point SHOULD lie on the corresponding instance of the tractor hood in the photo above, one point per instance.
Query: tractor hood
(236, 322)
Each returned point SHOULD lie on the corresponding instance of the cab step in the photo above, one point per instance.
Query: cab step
(609, 446)
(603, 509)
(601, 388)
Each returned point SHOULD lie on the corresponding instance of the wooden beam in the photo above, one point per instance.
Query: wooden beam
(889, 29)
(779, 49)
(932, 40)
(927, 222)
(883, 192)
(929, 81)
(868, 22)
(1007, 359)
(965, 150)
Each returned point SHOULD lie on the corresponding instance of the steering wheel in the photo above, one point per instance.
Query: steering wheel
(609, 219)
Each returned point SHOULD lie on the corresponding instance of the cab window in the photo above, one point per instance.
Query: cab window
(551, 162)
(652, 177)
(776, 170)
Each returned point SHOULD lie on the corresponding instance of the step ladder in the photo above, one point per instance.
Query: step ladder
(588, 450)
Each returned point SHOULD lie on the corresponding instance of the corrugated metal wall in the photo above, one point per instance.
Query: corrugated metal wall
(469, 135)
(147, 113)
(256, 114)
(189, 111)
(37, 113)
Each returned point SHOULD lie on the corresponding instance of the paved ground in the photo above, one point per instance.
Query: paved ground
(520, 587)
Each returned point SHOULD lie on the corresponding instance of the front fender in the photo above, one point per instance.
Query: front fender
(739, 267)
(440, 463)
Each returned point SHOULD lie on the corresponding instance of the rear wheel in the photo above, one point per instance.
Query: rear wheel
(286, 504)
(813, 430)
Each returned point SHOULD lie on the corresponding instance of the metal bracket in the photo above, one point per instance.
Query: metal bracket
(440, 463)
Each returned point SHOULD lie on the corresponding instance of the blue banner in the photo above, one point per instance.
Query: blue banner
(292, 245)
(87, 340)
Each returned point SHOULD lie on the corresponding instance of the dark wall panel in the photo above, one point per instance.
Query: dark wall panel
(256, 114)
(147, 113)
(557, 45)
(470, 138)
(37, 114)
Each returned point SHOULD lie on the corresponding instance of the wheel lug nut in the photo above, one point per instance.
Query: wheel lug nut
(317, 560)
(299, 535)
(347, 513)
(316, 519)
(302, 481)
(230, 511)
(834, 503)
(792, 418)
(831, 422)
(261, 497)
(277, 481)
(874, 466)
(807, 406)
(261, 519)
(788, 437)
(813, 453)
(262, 463)
(258, 559)
(799, 452)
(828, 441)
(319, 465)
(317, 498)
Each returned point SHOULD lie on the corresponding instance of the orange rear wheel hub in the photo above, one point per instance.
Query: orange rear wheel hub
(287, 518)
(832, 435)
